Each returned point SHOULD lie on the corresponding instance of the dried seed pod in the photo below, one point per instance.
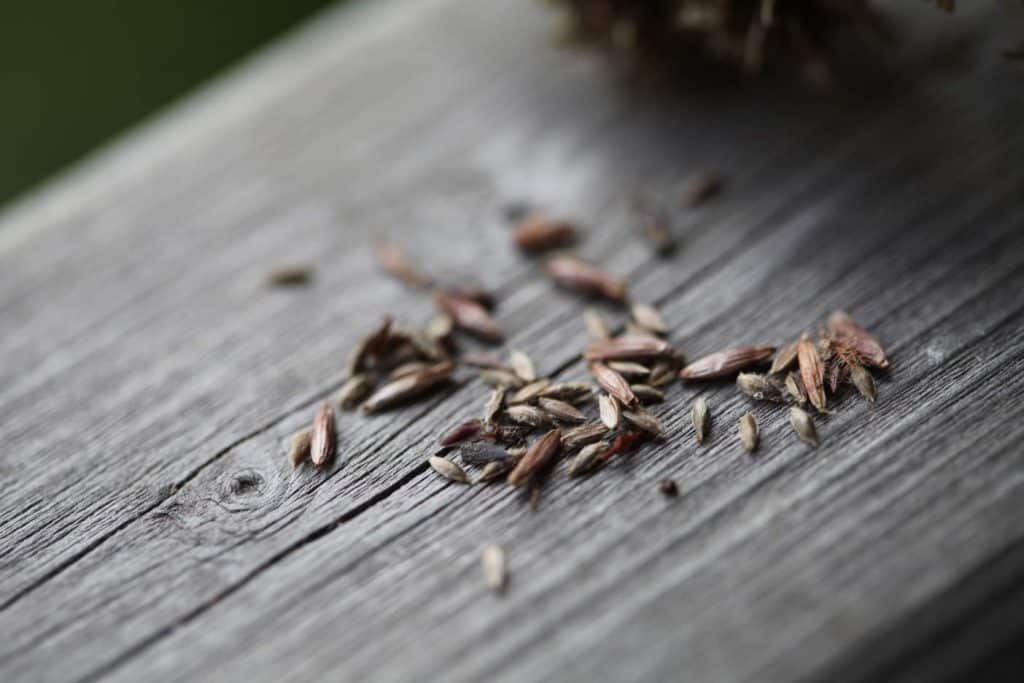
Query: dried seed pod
(614, 383)
(864, 382)
(539, 455)
(290, 276)
(662, 374)
(582, 435)
(587, 459)
(528, 415)
(628, 348)
(469, 316)
(301, 446)
(561, 411)
(803, 425)
(644, 421)
(860, 340)
(629, 369)
(462, 432)
(795, 388)
(726, 363)
(503, 379)
(395, 261)
(530, 392)
(785, 358)
(493, 561)
(324, 439)
(759, 387)
(440, 328)
(647, 394)
(586, 278)
(668, 488)
(596, 326)
(568, 391)
(402, 390)
(495, 403)
(610, 411)
(701, 417)
(522, 366)
(836, 372)
(449, 470)
(480, 453)
(812, 372)
(748, 432)
(701, 187)
(648, 317)
(495, 470)
(354, 390)
(537, 233)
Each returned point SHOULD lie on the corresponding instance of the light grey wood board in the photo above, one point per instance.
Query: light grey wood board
(158, 381)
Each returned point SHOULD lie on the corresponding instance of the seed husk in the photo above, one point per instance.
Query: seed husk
(668, 488)
(597, 328)
(354, 390)
(701, 418)
(614, 383)
(644, 421)
(568, 391)
(538, 233)
(530, 392)
(648, 317)
(587, 459)
(586, 278)
(725, 363)
(480, 453)
(629, 369)
(504, 379)
(584, 434)
(561, 411)
(448, 469)
(522, 365)
(759, 387)
(795, 388)
(867, 347)
(300, 449)
(785, 358)
(528, 415)
(701, 187)
(628, 348)
(647, 394)
(812, 372)
(324, 439)
(662, 374)
(411, 386)
(495, 402)
(493, 561)
(748, 432)
(290, 276)
(610, 411)
(539, 455)
(803, 425)
(497, 469)
(864, 382)
(469, 316)
(462, 432)
(395, 261)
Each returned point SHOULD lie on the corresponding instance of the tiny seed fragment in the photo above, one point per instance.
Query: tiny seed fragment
(668, 488)
(803, 425)
(587, 459)
(440, 328)
(493, 561)
(726, 363)
(597, 328)
(561, 411)
(300, 447)
(586, 278)
(748, 432)
(864, 382)
(759, 387)
(448, 469)
(701, 417)
(609, 409)
(522, 366)
(648, 317)
(324, 439)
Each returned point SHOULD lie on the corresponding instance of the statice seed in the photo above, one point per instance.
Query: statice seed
(493, 562)
(528, 415)
(483, 360)
(409, 387)
(561, 411)
(648, 317)
(537, 457)
(644, 421)
(748, 432)
(537, 233)
(597, 328)
(662, 374)
(867, 347)
(586, 278)
(497, 469)
(568, 391)
(647, 394)
(495, 402)
(784, 358)
(440, 328)
(803, 425)
(584, 434)
(300, 447)
(448, 469)
(701, 417)
(354, 390)
(530, 392)
(324, 439)
(406, 369)
(587, 459)
(864, 382)
(501, 379)
(469, 315)
(462, 432)
(812, 372)
(609, 410)
(628, 369)
(726, 363)
(796, 388)
(522, 366)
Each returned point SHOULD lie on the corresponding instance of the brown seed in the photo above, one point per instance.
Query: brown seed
(701, 187)
(568, 391)
(538, 233)
(587, 459)
(496, 469)
(411, 386)
(812, 372)
(795, 388)
(395, 261)
(725, 363)
(614, 383)
(648, 317)
(539, 455)
(597, 328)
(459, 433)
(290, 276)
(354, 390)
(803, 425)
(701, 418)
(628, 348)
(656, 227)
(561, 411)
(629, 369)
(644, 421)
(836, 372)
(867, 347)
(406, 369)
(647, 394)
(474, 293)
(448, 469)
(324, 439)
(300, 447)
(759, 387)
(584, 434)
(469, 316)
(495, 403)
(864, 382)
(668, 488)
(505, 379)
(785, 358)
(530, 392)
(528, 415)
(610, 412)
(493, 561)
(522, 366)
(370, 348)
(578, 275)
(663, 373)
(748, 432)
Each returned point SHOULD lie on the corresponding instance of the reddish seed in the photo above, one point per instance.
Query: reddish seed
(726, 363)
(573, 273)
(466, 430)
(538, 233)
(469, 315)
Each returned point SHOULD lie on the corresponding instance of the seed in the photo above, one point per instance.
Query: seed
(528, 415)
(812, 372)
(796, 388)
(785, 358)
(578, 275)
(469, 316)
(725, 363)
(701, 187)
(395, 261)
(643, 421)
(496, 469)
(610, 412)
(421, 345)
(648, 317)
(614, 383)
(803, 425)
(623, 443)
(537, 233)
(634, 330)
(748, 432)
(656, 227)
(449, 470)
(493, 561)
(836, 372)
(668, 488)
(866, 346)
(474, 293)
(587, 459)
(462, 432)
(562, 411)
(864, 382)
(647, 393)
(290, 276)
(522, 366)
(483, 361)
(596, 326)
(584, 434)
(628, 348)
(406, 369)
(701, 417)
(480, 453)
(530, 392)
(759, 387)
(324, 438)
(369, 348)
(354, 390)
(568, 391)
(494, 404)
(411, 386)
(539, 455)
(629, 369)
(501, 378)
(440, 328)
(662, 374)
(300, 447)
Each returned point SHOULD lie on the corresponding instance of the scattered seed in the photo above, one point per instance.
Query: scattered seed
(369, 348)
(796, 388)
(662, 374)
(701, 187)
(582, 435)
(480, 453)
(354, 390)
(803, 425)
(614, 383)
(504, 379)
(812, 372)
(300, 447)
(748, 432)
(537, 233)
(759, 387)
(395, 261)
(647, 394)
(290, 276)
(587, 459)
(474, 293)
(528, 415)
(561, 411)
(578, 275)
(568, 391)
(462, 432)
(596, 326)
(497, 469)
(656, 227)
(530, 392)
(648, 317)
(629, 369)
(493, 561)
(609, 409)
(634, 330)
(628, 348)
(785, 358)
(411, 386)
(469, 316)
(701, 417)
(864, 382)
(522, 366)
(495, 403)
(867, 347)
(448, 469)
(440, 328)
(623, 443)
(539, 455)
(725, 363)
(668, 488)
(483, 361)
(324, 438)
(644, 421)
(406, 369)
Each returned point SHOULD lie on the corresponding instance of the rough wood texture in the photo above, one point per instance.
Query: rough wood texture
(152, 528)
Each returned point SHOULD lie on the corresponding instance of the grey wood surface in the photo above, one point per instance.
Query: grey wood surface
(152, 529)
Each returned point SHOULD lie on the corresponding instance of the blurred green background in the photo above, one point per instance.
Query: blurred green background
(75, 72)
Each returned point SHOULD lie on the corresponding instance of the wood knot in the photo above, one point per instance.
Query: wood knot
(245, 483)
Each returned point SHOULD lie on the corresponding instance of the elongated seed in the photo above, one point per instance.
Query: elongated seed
(495, 402)
(369, 347)
(587, 459)
(462, 432)
(726, 363)
(569, 391)
(537, 233)
(663, 373)
(530, 392)
(749, 432)
(496, 469)
(528, 415)
(812, 372)
(643, 421)
(324, 439)
(479, 453)
(501, 378)
(759, 387)
(647, 394)
(561, 411)
(483, 360)
(522, 365)
(584, 434)
(440, 328)
(629, 369)
(406, 369)
(354, 390)
(411, 386)
(628, 348)
(803, 425)
(290, 276)
(609, 409)
(597, 328)
(300, 447)
(395, 261)
(866, 346)
(864, 382)
(614, 383)
(539, 455)
(784, 358)
(648, 317)
(795, 388)
(586, 278)
(493, 562)
(469, 315)
(701, 417)
(448, 469)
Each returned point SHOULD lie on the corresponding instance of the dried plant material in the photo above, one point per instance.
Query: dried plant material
(561, 411)
(702, 187)
(759, 387)
(597, 328)
(586, 278)
(484, 361)
(647, 394)
(395, 261)
(528, 415)
(324, 439)
(290, 276)
(448, 469)
(701, 418)
(726, 363)
(421, 345)
(402, 390)
(609, 410)
(587, 459)
(860, 340)
(795, 388)
(497, 469)
(614, 383)
(568, 391)
(628, 348)
(495, 402)
(474, 293)
(440, 328)
(462, 432)
(864, 382)
(785, 358)
(480, 453)
(803, 425)
(370, 348)
(748, 432)
(643, 421)
(301, 447)
(582, 435)
(522, 366)
(537, 457)
(469, 316)
(634, 330)
(493, 562)
(629, 369)
(354, 390)
(812, 373)
(668, 488)
(505, 379)
(623, 443)
(530, 392)
(648, 317)
(662, 374)
(538, 233)
(656, 228)
(406, 369)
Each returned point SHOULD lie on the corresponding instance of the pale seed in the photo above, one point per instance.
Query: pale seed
(864, 382)
(530, 392)
(448, 469)
(493, 562)
(324, 439)
(647, 394)
(300, 447)
(522, 366)
(354, 390)
(587, 459)
(643, 421)
(561, 411)
(748, 432)
(629, 369)
(701, 417)
(648, 317)
(494, 404)
(609, 409)
(596, 326)
(528, 415)
(803, 425)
